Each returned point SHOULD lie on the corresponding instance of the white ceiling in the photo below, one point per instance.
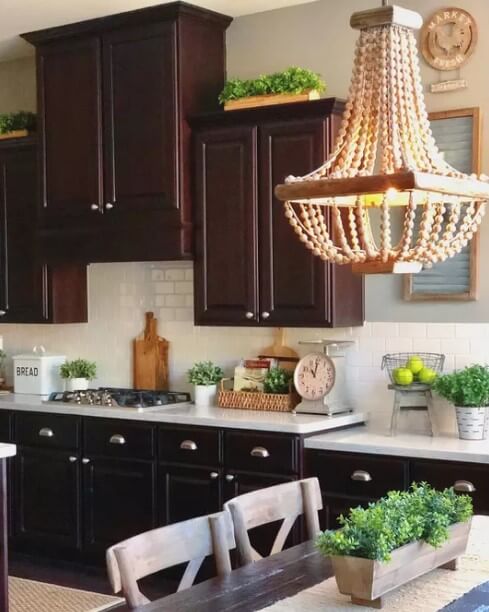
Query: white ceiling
(17, 16)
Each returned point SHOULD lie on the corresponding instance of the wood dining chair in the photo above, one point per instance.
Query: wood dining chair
(150, 552)
(284, 502)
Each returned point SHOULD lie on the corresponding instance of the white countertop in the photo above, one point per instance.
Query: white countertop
(361, 440)
(7, 450)
(189, 414)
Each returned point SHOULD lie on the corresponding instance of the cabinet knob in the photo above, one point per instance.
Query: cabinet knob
(464, 486)
(188, 445)
(3, 313)
(265, 315)
(45, 432)
(109, 206)
(214, 475)
(85, 460)
(94, 207)
(249, 315)
(72, 459)
(361, 476)
(260, 451)
(117, 439)
(230, 477)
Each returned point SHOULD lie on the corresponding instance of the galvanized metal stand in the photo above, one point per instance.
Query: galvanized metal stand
(415, 397)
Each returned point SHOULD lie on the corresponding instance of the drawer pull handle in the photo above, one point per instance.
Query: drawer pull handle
(464, 486)
(230, 477)
(361, 476)
(85, 460)
(214, 475)
(188, 445)
(73, 459)
(45, 432)
(117, 439)
(260, 451)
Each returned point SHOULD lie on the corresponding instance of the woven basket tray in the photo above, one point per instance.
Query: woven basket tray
(252, 400)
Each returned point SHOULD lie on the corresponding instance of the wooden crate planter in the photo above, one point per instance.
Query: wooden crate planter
(366, 581)
(254, 400)
(14, 134)
(270, 100)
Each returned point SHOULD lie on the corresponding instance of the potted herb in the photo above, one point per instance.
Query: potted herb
(204, 375)
(15, 125)
(277, 380)
(77, 373)
(468, 391)
(291, 85)
(400, 537)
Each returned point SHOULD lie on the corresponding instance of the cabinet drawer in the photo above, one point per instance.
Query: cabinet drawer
(442, 474)
(255, 452)
(187, 445)
(357, 475)
(113, 438)
(47, 430)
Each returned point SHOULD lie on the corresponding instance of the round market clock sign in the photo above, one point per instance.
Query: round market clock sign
(449, 38)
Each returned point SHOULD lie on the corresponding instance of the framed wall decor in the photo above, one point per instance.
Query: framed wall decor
(458, 135)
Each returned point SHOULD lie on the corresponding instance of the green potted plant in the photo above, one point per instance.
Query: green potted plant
(400, 537)
(468, 391)
(291, 85)
(277, 380)
(15, 125)
(77, 373)
(204, 375)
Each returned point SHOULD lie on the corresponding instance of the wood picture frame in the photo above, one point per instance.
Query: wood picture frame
(471, 294)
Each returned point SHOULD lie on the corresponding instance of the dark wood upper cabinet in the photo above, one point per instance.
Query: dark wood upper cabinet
(114, 97)
(250, 268)
(30, 290)
(226, 215)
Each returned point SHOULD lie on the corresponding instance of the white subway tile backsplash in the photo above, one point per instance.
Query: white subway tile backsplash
(412, 330)
(471, 330)
(440, 330)
(372, 343)
(175, 300)
(398, 345)
(386, 330)
(175, 275)
(455, 345)
(164, 287)
(184, 287)
(427, 345)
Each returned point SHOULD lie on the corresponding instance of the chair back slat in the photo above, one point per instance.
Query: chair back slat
(284, 502)
(186, 542)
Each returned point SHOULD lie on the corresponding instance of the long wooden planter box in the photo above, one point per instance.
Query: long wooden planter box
(270, 100)
(366, 581)
(14, 134)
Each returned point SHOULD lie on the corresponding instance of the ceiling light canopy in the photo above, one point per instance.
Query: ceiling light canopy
(385, 157)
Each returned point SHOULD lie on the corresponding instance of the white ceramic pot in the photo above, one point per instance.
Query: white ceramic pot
(205, 395)
(76, 384)
(473, 423)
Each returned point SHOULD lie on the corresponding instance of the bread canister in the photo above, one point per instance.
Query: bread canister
(37, 373)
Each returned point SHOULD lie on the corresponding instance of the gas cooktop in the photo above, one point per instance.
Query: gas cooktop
(136, 399)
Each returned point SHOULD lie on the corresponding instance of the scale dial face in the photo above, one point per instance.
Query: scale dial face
(314, 376)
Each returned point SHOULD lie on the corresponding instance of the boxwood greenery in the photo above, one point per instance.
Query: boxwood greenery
(277, 381)
(22, 120)
(293, 80)
(205, 373)
(78, 368)
(422, 513)
(468, 387)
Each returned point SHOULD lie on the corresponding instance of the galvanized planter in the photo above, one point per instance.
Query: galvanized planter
(472, 423)
(366, 581)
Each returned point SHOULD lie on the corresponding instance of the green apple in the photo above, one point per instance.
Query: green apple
(415, 364)
(427, 376)
(403, 376)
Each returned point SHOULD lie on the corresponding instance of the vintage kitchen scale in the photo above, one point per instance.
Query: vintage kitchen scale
(320, 378)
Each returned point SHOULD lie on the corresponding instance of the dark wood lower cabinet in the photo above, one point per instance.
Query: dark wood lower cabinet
(118, 501)
(186, 492)
(47, 499)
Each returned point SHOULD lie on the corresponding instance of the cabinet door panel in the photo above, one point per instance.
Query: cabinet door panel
(47, 504)
(187, 492)
(69, 76)
(226, 207)
(293, 282)
(118, 501)
(140, 118)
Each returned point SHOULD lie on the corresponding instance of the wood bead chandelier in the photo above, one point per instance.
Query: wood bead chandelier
(385, 158)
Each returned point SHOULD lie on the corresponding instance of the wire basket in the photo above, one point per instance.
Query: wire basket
(392, 361)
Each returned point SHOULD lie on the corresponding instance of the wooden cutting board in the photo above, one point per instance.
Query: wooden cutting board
(286, 356)
(150, 358)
